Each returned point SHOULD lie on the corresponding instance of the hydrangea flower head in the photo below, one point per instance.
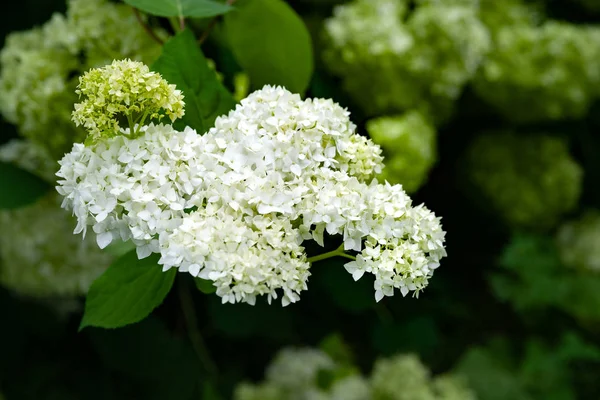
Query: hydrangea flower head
(392, 57)
(127, 88)
(234, 206)
(555, 76)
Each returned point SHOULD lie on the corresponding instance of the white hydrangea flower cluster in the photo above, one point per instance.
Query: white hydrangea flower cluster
(578, 242)
(233, 206)
(133, 189)
(39, 67)
(294, 375)
(39, 256)
(391, 59)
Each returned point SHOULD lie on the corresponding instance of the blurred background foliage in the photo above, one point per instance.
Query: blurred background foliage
(501, 140)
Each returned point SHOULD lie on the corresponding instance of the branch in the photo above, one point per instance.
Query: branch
(211, 25)
(146, 27)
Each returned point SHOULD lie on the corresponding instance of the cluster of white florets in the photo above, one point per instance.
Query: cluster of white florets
(234, 205)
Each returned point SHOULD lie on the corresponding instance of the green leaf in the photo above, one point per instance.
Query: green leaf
(127, 292)
(270, 41)
(181, 8)
(183, 64)
(205, 286)
(20, 187)
(348, 294)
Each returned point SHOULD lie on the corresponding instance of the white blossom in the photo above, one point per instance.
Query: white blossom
(233, 206)
(132, 188)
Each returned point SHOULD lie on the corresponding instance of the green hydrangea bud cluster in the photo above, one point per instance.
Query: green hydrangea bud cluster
(409, 148)
(539, 73)
(124, 88)
(305, 373)
(39, 67)
(392, 60)
(527, 181)
(578, 242)
(39, 255)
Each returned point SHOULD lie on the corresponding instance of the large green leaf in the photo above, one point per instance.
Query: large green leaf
(127, 292)
(19, 187)
(270, 41)
(183, 64)
(181, 8)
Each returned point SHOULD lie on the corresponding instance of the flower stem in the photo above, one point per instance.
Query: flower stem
(131, 125)
(191, 322)
(335, 253)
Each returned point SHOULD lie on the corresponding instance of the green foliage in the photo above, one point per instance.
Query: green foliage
(205, 286)
(181, 8)
(20, 187)
(127, 292)
(543, 372)
(271, 43)
(535, 279)
(183, 64)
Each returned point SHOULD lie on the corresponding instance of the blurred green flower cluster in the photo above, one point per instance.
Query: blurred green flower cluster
(409, 147)
(527, 181)
(392, 59)
(307, 373)
(40, 67)
(539, 73)
(578, 242)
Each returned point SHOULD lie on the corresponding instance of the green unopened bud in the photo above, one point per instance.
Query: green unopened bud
(124, 89)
